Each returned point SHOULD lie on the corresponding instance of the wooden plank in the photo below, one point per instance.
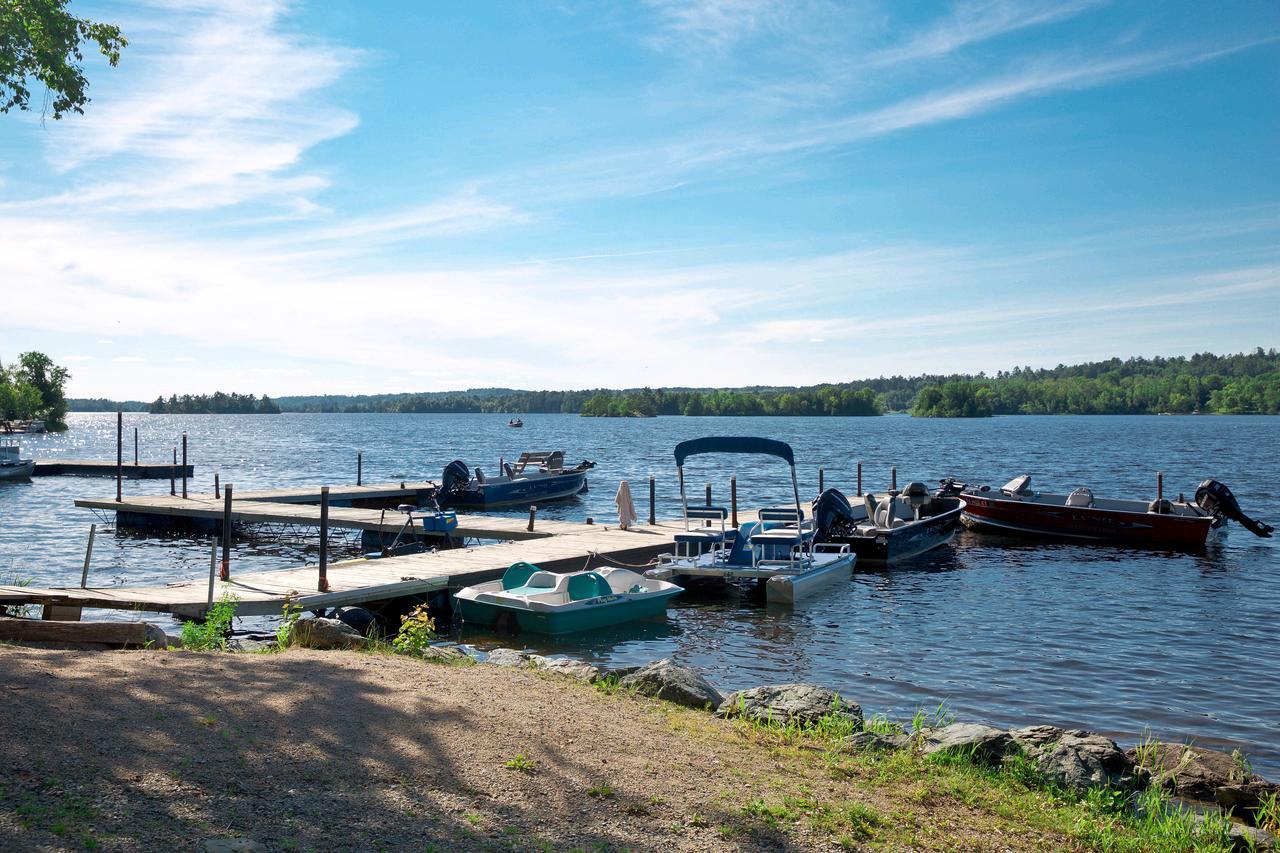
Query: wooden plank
(106, 633)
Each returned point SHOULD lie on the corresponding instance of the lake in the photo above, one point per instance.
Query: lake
(1005, 632)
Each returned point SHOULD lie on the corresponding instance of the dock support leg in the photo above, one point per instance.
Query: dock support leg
(360, 468)
(822, 479)
(733, 499)
(859, 479)
(184, 466)
(652, 491)
(88, 554)
(119, 456)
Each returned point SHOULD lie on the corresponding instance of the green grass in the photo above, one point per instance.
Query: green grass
(211, 634)
(603, 791)
(520, 763)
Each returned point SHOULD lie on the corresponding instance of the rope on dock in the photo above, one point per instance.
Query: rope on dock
(596, 555)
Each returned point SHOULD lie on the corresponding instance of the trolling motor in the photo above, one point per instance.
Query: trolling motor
(1217, 500)
(950, 488)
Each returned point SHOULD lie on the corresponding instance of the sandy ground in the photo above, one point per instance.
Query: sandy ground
(346, 751)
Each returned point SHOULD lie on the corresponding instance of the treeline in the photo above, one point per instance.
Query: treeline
(32, 389)
(214, 404)
(1246, 383)
(102, 404)
(820, 400)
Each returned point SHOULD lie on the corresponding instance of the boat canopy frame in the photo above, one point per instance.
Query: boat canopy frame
(736, 444)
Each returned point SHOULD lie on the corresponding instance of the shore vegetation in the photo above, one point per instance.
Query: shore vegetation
(218, 403)
(33, 389)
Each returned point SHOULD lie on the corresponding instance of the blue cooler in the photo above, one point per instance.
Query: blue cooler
(440, 522)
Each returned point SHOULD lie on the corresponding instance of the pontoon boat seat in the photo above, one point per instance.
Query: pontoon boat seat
(1080, 497)
(590, 585)
(704, 535)
(782, 539)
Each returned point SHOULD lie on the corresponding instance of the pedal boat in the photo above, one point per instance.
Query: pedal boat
(529, 599)
(777, 550)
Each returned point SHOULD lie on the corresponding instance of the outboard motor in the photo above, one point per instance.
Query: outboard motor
(1217, 500)
(832, 516)
(950, 488)
(456, 476)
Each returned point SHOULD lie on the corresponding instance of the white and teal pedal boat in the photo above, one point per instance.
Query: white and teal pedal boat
(777, 550)
(530, 599)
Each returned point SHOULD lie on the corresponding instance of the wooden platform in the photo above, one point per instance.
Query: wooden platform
(572, 547)
(267, 508)
(98, 468)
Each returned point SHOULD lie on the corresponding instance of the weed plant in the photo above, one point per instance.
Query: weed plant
(211, 634)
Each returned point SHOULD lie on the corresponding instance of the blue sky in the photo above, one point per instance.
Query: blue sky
(368, 197)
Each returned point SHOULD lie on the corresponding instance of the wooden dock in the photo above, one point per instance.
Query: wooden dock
(564, 547)
(300, 507)
(100, 468)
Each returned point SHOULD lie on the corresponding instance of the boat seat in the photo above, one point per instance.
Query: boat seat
(518, 575)
(590, 585)
(479, 476)
(704, 535)
(1080, 497)
(701, 536)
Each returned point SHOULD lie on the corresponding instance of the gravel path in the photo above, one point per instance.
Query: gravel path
(347, 751)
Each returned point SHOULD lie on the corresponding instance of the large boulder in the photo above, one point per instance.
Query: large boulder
(568, 667)
(983, 742)
(1243, 799)
(320, 633)
(1190, 771)
(672, 682)
(1078, 760)
(450, 655)
(789, 703)
(507, 657)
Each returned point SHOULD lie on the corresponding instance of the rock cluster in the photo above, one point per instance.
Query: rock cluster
(321, 633)
(804, 704)
(672, 682)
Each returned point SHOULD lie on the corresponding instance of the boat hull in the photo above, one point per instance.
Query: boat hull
(1092, 523)
(17, 473)
(516, 492)
(899, 543)
(582, 616)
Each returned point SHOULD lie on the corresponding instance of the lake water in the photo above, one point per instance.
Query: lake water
(1118, 641)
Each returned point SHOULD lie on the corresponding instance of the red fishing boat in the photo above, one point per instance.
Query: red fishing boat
(1016, 508)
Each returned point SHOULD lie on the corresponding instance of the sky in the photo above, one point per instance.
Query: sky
(371, 197)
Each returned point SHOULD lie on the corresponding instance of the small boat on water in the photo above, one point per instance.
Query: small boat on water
(530, 599)
(777, 551)
(1016, 508)
(12, 466)
(888, 527)
(534, 478)
(515, 422)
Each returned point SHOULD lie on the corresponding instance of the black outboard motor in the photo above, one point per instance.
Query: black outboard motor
(456, 476)
(1216, 499)
(832, 516)
(950, 488)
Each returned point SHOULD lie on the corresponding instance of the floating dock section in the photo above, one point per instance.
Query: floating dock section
(98, 468)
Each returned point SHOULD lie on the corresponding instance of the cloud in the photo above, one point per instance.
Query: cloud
(128, 359)
(222, 105)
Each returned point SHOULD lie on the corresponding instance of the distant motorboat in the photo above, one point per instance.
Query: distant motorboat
(515, 422)
(534, 478)
(12, 466)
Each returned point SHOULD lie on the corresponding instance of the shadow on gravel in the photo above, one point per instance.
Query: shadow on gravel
(163, 751)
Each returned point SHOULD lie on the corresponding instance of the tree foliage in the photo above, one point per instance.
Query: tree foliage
(33, 388)
(41, 42)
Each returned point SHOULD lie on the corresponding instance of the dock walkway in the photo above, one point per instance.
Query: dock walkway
(102, 468)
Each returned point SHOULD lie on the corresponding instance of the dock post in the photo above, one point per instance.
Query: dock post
(893, 478)
(184, 466)
(652, 492)
(733, 498)
(173, 475)
(217, 488)
(135, 445)
(822, 478)
(213, 570)
(1159, 485)
(859, 479)
(324, 540)
(119, 456)
(533, 514)
(225, 574)
(708, 494)
(88, 553)
(360, 468)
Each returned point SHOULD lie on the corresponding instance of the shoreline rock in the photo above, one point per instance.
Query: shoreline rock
(672, 682)
(802, 703)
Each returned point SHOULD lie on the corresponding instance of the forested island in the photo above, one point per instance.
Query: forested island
(31, 390)
(217, 403)
(1244, 383)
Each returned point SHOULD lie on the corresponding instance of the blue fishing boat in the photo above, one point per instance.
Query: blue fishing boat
(529, 599)
(534, 478)
(778, 550)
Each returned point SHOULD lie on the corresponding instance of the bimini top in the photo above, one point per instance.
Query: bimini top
(733, 444)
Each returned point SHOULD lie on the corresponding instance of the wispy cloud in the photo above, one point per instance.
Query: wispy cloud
(222, 107)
